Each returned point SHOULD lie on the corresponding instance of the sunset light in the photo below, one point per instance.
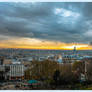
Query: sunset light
(28, 43)
(57, 26)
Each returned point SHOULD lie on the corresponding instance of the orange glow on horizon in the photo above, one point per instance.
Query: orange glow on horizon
(28, 43)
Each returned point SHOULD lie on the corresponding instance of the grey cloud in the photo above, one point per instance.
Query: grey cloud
(39, 21)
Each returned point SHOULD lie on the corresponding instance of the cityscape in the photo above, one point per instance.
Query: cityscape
(45, 46)
(25, 69)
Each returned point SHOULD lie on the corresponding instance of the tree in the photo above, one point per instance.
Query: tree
(43, 70)
(56, 77)
(88, 63)
(27, 74)
(78, 67)
(67, 75)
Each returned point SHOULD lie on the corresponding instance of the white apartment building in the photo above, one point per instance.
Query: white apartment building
(16, 72)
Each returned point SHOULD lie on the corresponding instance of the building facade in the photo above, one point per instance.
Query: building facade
(16, 72)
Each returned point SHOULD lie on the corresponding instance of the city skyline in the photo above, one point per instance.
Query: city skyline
(46, 25)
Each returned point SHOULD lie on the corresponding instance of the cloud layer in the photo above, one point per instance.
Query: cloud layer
(64, 22)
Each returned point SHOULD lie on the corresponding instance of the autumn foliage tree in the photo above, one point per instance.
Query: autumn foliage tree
(43, 70)
(47, 70)
(78, 66)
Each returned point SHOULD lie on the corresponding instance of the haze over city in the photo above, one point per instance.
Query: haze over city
(46, 25)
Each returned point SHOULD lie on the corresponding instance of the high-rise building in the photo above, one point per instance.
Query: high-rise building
(74, 50)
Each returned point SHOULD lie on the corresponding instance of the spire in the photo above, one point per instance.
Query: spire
(74, 50)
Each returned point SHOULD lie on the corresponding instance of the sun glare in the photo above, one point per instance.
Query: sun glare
(77, 46)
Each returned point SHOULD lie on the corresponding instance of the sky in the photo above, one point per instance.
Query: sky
(42, 25)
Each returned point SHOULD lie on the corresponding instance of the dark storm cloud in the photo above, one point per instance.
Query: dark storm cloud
(41, 21)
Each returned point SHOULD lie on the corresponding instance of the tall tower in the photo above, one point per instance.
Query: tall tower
(74, 50)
